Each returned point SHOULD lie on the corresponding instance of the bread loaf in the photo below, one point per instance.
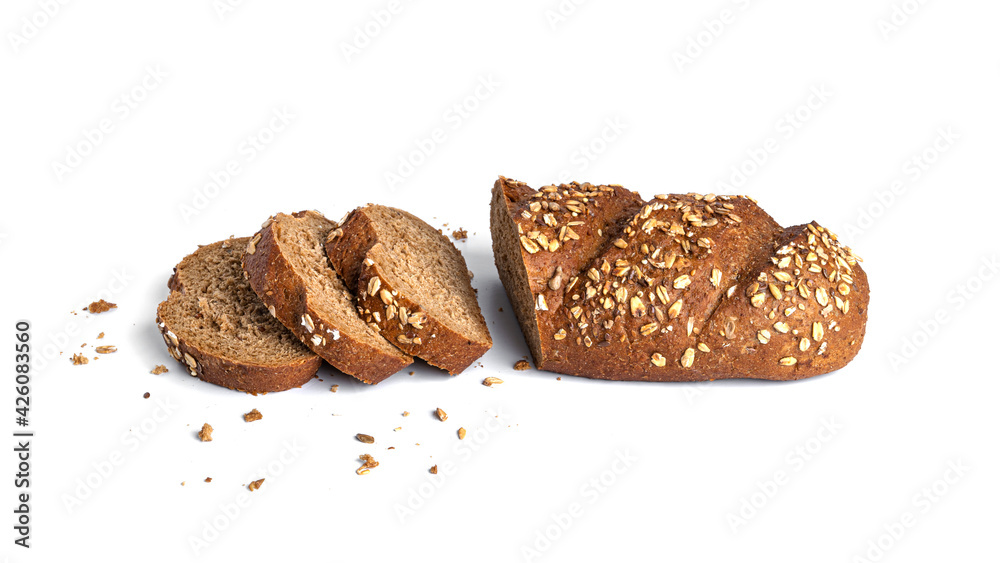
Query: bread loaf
(680, 288)
(214, 324)
(412, 283)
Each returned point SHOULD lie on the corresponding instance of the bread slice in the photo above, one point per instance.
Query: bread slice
(413, 283)
(217, 326)
(288, 269)
(686, 287)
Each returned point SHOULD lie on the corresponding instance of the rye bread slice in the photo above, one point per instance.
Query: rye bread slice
(214, 324)
(413, 283)
(288, 269)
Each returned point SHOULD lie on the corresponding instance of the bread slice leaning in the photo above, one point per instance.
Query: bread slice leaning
(289, 271)
(214, 324)
(412, 283)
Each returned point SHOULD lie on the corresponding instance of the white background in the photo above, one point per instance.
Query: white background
(698, 455)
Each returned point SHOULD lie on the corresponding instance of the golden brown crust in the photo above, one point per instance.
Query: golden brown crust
(670, 295)
(283, 290)
(356, 254)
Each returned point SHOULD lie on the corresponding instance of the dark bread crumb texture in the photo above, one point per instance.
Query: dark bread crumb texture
(214, 324)
(683, 287)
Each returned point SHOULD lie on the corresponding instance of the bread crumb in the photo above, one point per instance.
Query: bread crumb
(79, 359)
(460, 234)
(145, 395)
(365, 438)
(84, 345)
(442, 415)
(500, 309)
(208, 479)
(369, 463)
(255, 485)
(406, 413)
(522, 365)
(106, 349)
(182, 483)
(412, 372)
(333, 388)
(252, 416)
(434, 470)
(461, 433)
(206, 432)
(101, 306)
(397, 429)
(558, 379)
(491, 381)
(100, 336)
(159, 369)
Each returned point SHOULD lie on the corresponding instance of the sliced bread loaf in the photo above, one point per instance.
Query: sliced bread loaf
(288, 269)
(412, 283)
(217, 326)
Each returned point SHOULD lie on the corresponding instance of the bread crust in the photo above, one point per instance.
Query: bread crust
(283, 290)
(240, 376)
(359, 257)
(617, 316)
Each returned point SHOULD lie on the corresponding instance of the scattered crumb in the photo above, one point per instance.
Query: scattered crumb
(406, 413)
(206, 432)
(558, 379)
(522, 365)
(369, 463)
(333, 388)
(84, 345)
(145, 395)
(397, 429)
(491, 381)
(208, 479)
(461, 433)
(100, 336)
(412, 372)
(391, 448)
(159, 369)
(79, 359)
(252, 416)
(106, 349)
(434, 470)
(460, 234)
(442, 415)
(255, 485)
(182, 483)
(101, 306)
(365, 438)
